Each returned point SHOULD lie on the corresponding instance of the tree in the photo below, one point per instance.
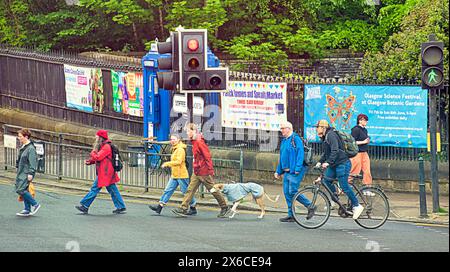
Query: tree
(400, 56)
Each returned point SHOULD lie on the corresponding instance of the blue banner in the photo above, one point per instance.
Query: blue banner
(397, 114)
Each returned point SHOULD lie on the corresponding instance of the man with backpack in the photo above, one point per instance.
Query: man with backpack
(336, 162)
(102, 156)
(291, 166)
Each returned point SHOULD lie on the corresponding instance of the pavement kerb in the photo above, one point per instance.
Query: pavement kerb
(153, 196)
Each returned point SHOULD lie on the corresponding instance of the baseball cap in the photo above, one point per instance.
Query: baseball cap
(322, 123)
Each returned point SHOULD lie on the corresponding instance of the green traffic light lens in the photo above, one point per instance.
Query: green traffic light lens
(194, 81)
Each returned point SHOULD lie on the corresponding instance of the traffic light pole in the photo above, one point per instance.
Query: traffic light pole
(433, 150)
(190, 119)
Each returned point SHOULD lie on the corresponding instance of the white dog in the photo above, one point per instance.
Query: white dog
(235, 192)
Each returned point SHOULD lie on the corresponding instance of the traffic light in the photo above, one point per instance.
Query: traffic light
(432, 54)
(169, 79)
(216, 79)
(193, 50)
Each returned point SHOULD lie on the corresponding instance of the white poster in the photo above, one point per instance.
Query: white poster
(78, 91)
(10, 141)
(180, 104)
(254, 105)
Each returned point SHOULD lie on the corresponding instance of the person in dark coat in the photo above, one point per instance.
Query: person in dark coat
(101, 156)
(337, 164)
(26, 165)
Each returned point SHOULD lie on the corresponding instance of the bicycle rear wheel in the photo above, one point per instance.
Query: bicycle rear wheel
(300, 210)
(376, 208)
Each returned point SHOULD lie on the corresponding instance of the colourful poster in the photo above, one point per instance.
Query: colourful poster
(254, 105)
(96, 85)
(128, 93)
(397, 114)
(77, 85)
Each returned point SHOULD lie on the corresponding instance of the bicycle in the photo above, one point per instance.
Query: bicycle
(376, 204)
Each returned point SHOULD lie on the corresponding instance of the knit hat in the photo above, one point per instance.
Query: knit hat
(322, 123)
(102, 133)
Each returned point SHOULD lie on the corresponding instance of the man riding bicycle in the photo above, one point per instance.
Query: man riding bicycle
(337, 164)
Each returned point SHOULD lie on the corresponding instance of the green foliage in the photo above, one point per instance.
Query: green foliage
(400, 55)
(264, 31)
(192, 15)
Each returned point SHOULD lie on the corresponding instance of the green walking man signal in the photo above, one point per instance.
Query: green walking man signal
(432, 54)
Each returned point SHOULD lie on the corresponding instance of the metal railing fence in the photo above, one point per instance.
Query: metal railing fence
(142, 160)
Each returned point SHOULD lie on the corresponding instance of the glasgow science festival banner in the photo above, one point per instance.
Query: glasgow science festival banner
(397, 114)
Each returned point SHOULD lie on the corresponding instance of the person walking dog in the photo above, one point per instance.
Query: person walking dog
(101, 156)
(203, 174)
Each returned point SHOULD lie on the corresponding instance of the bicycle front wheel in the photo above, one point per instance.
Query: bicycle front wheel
(376, 208)
(311, 207)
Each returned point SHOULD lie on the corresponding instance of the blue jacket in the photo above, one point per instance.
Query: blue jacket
(291, 157)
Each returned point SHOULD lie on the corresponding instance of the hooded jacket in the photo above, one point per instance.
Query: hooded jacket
(104, 166)
(203, 165)
(177, 161)
(26, 164)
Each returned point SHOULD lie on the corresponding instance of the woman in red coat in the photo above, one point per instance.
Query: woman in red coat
(101, 156)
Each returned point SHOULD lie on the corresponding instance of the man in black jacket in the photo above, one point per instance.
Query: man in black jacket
(337, 163)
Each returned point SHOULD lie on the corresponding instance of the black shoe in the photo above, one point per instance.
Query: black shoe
(224, 212)
(156, 208)
(311, 212)
(287, 219)
(192, 211)
(82, 209)
(180, 212)
(120, 211)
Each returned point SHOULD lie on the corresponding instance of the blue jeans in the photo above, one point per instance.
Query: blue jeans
(112, 190)
(172, 186)
(28, 200)
(291, 183)
(341, 172)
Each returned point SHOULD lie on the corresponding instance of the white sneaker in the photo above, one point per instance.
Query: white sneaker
(35, 208)
(368, 193)
(357, 211)
(23, 213)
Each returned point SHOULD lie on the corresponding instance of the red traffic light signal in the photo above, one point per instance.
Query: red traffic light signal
(193, 50)
(432, 54)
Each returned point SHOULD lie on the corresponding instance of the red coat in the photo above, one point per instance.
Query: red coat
(203, 165)
(104, 166)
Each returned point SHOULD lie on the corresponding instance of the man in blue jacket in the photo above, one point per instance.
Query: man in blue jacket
(291, 166)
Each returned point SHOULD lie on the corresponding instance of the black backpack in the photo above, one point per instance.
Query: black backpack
(308, 153)
(116, 158)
